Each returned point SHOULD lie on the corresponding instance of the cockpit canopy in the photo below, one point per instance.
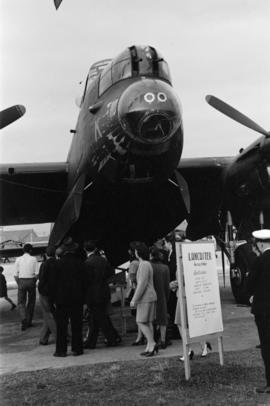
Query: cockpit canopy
(97, 67)
(134, 61)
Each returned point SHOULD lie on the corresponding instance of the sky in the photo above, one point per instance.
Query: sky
(218, 47)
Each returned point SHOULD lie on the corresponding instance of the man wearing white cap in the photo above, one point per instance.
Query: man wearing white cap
(259, 287)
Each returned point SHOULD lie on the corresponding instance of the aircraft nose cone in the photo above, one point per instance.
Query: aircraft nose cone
(154, 127)
(149, 111)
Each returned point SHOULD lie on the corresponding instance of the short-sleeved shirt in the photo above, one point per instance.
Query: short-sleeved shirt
(26, 266)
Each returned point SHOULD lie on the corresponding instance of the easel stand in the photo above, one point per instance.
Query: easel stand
(187, 341)
(182, 302)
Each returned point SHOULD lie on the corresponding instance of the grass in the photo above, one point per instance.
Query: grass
(155, 381)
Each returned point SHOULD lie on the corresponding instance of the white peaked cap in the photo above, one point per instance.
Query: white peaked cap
(261, 234)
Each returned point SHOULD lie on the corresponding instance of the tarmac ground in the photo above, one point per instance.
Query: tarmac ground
(20, 350)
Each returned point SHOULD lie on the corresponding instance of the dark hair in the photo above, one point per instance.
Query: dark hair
(50, 251)
(132, 246)
(27, 248)
(155, 253)
(170, 238)
(90, 245)
(1, 269)
(142, 251)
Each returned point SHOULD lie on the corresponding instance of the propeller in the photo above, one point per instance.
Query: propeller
(57, 3)
(235, 114)
(11, 114)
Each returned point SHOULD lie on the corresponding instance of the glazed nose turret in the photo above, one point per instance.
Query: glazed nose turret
(149, 111)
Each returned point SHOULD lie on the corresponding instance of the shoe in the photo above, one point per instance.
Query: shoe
(141, 341)
(76, 353)
(60, 354)
(43, 342)
(207, 346)
(258, 346)
(154, 350)
(263, 389)
(13, 306)
(190, 354)
(23, 325)
(144, 353)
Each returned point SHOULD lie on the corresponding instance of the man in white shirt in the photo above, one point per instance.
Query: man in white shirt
(26, 271)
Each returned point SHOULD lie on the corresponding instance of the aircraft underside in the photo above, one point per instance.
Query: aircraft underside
(115, 215)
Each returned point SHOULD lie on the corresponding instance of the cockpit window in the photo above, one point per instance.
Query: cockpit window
(105, 79)
(98, 67)
(163, 68)
(151, 63)
(164, 71)
(119, 69)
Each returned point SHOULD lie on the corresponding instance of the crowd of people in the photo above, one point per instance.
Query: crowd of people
(153, 276)
(71, 277)
(74, 281)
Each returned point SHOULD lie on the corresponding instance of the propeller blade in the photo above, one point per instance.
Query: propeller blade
(235, 114)
(184, 189)
(57, 3)
(11, 114)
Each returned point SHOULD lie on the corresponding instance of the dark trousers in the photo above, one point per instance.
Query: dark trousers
(63, 315)
(26, 298)
(263, 325)
(100, 320)
(172, 330)
(49, 326)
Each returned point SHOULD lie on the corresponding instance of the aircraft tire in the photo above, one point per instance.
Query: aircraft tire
(244, 257)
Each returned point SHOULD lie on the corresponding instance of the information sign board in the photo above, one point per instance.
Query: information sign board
(201, 288)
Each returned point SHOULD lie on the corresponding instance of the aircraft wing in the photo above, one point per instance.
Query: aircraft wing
(204, 177)
(31, 193)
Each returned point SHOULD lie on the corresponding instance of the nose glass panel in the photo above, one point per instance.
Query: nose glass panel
(149, 111)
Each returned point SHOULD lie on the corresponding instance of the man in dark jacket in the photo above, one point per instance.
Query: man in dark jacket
(259, 287)
(46, 282)
(69, 299)
(98, 271)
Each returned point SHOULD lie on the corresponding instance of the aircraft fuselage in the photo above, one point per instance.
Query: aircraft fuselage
(133, 127)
